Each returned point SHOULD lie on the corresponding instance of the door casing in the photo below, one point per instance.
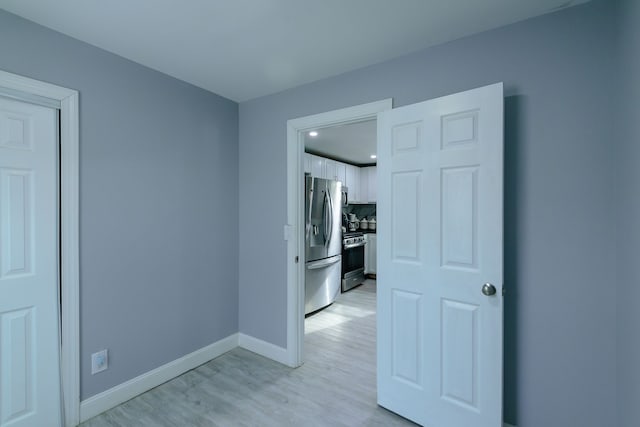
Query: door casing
(67, 102)
(293, 229)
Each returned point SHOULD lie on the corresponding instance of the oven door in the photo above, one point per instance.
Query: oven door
(352, 266)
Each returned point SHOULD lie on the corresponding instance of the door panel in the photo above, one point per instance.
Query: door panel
(29, 316)
(406, 198)
(459, 217)
(407, 337)
(459, 352)
(17, 246)
(17, 359)
(440, 201)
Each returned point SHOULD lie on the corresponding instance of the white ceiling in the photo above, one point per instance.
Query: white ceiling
(352, 143)
(243, 49)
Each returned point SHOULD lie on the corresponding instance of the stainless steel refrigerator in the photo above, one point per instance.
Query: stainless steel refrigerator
(323, 209)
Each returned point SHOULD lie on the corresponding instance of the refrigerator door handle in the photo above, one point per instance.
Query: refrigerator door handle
(310, 195)
(324, 218)
(329, 220)
(322, 263)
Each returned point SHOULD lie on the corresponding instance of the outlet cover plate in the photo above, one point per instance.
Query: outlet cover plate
(99, 361)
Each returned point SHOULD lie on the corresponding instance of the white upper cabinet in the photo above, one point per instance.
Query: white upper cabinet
(335, 170)
(321, 167)
(360, 181)
(341, 172)
(368, 185)
(353, 183)
(307, 162)
(371, 171)
(364, 186)
(318, 166)
(331, 169)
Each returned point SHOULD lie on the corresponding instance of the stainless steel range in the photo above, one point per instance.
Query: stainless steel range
(352, 259)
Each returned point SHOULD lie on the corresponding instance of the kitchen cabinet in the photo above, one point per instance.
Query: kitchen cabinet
(353, 183)
(360, 181)
(330, 169)
(307, 162)
(335, 170)
(318, 166)
(368, 185)
(366, 253)
(373, 184)
(341, 172)
(370, 253)
(364, 186)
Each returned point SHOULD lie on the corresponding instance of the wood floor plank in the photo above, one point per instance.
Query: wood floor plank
(336, 386)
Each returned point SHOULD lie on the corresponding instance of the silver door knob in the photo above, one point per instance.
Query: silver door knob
(488, 289)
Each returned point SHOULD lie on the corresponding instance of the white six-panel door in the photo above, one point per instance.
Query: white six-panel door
(440, 192)
(29, 301)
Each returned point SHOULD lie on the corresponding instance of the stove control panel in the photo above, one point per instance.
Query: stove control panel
(353, 241)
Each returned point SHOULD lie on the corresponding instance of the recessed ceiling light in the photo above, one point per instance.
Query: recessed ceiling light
(313, 133)
(373, 156)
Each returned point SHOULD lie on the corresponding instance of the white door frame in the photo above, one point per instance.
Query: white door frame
(66, 101)
(293, 230)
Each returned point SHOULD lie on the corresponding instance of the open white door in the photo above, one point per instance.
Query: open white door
(29, 299)
(440, 192)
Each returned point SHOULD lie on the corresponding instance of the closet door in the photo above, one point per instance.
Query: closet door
(29, 296)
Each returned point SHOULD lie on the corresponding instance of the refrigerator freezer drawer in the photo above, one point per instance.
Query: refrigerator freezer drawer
(322, 283)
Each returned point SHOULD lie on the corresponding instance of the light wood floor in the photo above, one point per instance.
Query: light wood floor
(334, 387)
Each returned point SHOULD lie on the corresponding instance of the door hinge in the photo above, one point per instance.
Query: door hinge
(296, 259)
(504, 290)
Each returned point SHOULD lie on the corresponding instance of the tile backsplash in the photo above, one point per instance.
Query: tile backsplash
(367, 211)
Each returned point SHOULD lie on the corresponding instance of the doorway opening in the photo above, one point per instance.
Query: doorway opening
(297, 133)
(340, 201)
(340, 296)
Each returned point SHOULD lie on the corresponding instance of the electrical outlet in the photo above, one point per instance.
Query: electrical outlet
(99, 361)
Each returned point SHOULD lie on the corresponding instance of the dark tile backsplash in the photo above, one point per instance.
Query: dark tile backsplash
(367, 211)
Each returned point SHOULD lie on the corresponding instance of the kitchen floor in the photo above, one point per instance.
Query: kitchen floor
(336, 386)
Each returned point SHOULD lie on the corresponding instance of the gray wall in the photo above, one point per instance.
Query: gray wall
(628, 233)
(158, 202)
(560, 345)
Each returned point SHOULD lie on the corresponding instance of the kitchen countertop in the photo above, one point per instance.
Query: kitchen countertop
(360, 230)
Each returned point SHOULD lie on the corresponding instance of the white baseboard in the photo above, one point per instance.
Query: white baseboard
(108, 399)
(263, 348)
